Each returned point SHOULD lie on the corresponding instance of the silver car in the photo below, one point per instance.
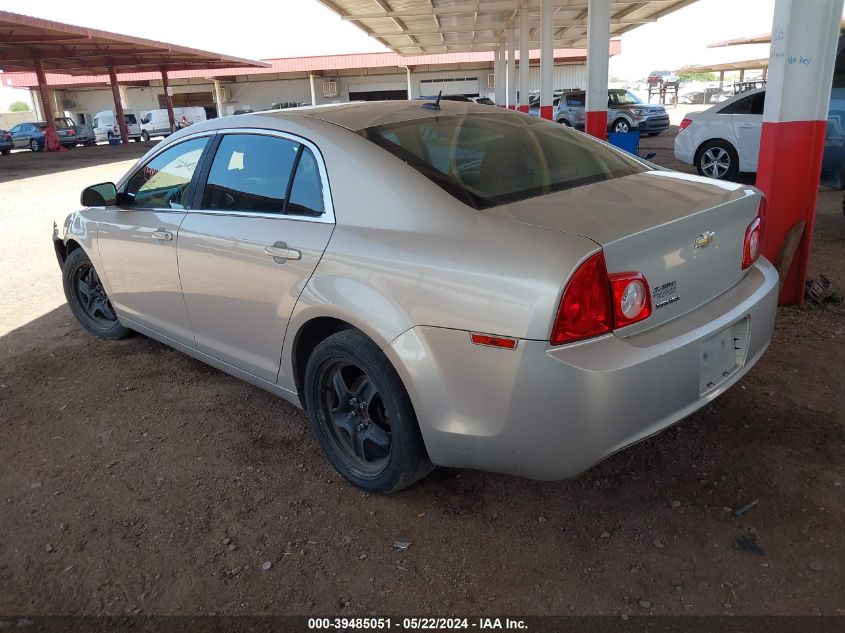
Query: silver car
(461, 286)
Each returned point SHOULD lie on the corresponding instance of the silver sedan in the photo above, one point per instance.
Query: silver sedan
(455, 285)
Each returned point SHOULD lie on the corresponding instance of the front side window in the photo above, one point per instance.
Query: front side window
(165, 181)
(250, 172)
(486, 160)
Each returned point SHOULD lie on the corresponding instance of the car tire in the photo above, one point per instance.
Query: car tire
(717, 159)
(137, 139)
(34, 145)
(145, 136)
(5, 152)
(87, 298)
(361, 415)
(653, 133)
(564, 123)
(620, 126)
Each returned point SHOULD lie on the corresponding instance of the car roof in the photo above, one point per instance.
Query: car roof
(359, 115)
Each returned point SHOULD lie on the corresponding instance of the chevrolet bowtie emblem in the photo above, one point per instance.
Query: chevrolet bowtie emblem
(705, 239)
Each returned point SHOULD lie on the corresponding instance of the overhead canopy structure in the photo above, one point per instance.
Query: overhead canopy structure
(74, 50)
(749, 64)
(413, 27)
(763, 38)
(30, 44)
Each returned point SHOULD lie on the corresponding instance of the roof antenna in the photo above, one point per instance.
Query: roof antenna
(433, 106)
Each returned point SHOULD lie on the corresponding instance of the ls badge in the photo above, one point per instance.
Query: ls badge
(705, 239)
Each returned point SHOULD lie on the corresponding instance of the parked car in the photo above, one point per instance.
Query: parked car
(285, 105)
(34, 136)
(157, 122)
(625, 112)
(84, 134)
(662, 78)
(6, 143)
(510, 295)
(106, 127)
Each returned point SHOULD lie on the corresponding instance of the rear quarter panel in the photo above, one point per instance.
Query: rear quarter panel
(405, 253)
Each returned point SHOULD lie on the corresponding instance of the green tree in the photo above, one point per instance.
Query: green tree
(698, 76)
(19, 106)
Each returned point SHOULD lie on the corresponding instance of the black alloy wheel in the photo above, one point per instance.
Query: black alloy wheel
(88, 299)
(361, 414)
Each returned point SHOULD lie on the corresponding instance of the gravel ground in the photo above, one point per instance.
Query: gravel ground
(134, 479)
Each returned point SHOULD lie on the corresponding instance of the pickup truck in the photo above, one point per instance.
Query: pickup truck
(84, 133)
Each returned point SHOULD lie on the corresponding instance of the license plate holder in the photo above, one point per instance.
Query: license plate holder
(717, 359)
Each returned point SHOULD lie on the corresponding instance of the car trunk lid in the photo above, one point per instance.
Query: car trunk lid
(684, 233)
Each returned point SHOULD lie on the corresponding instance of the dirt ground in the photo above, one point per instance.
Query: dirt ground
(134, 479)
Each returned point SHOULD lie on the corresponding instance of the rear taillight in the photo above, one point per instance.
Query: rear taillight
(585, 309)
(595, 303)
(685, 124)
(753, 240)
(631, 298)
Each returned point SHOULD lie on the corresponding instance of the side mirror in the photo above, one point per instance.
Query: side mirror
(102, 195)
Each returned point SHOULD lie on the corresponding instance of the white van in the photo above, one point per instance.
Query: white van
(156, 123)
(105, 126)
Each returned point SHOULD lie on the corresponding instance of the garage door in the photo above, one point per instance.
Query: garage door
(458, 86)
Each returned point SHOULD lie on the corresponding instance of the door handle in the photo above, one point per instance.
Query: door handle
(746, 125)
(281, 253)
(163, 235)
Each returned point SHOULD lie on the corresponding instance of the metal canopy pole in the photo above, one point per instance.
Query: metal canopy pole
(801, 62)
(598, 57)
(168, 99)
(498, 77)
(547, 59)
(511, 80)
(51, 142)
(118, 106)
(524, 60)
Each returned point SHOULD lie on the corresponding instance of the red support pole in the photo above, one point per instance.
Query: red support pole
(801, 62)
(168, 99)
(51, 143)
(118, 106)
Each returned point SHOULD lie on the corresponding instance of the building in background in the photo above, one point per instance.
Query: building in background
(301, 80)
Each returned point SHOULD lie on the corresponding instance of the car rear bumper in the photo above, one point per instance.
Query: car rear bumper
(552, 412)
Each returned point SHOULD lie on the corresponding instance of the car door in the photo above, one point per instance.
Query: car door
(20, 135)
(575, 110)
(248, 248)
(747, 122)
(137, 240)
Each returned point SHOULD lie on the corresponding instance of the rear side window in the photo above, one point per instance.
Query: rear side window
(130, 119)
(575, 101)
(264, 174)
(486, 160)
(752, 104)
(306, 193)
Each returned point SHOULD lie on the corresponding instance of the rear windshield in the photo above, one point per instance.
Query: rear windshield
(485, 160)
(130, 119)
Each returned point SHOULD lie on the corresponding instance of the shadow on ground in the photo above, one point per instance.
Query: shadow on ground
(136, 479)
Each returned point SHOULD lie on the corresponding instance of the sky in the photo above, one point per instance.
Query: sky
(293, 28)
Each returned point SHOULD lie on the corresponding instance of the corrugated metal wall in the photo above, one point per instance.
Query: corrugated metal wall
(261, 94)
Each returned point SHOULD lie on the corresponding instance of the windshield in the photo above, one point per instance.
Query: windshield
(623, 97)
(486, 160)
